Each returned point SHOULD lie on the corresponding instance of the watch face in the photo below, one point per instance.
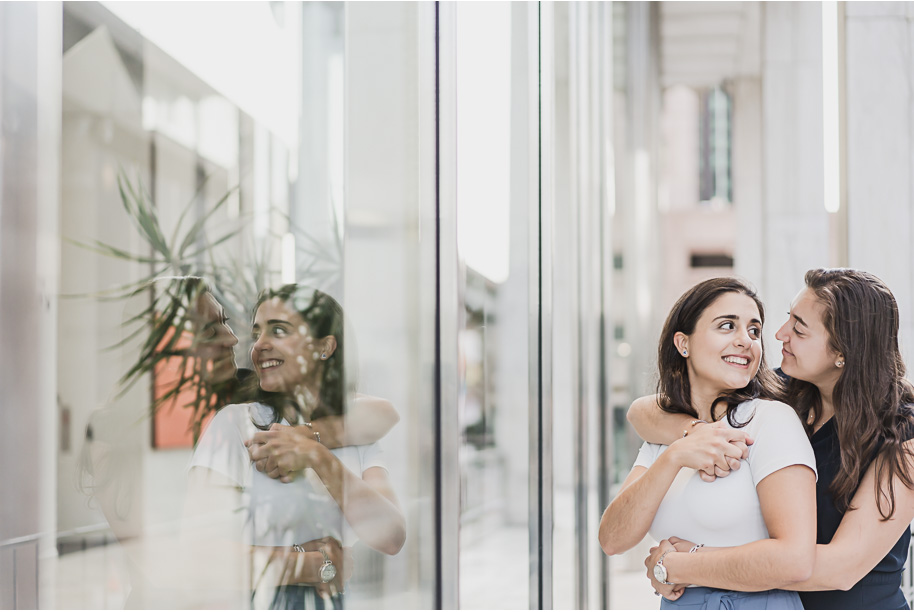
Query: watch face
(660, 573)
(328, 572)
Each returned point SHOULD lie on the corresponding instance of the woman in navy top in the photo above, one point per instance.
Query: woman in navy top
(840, 350)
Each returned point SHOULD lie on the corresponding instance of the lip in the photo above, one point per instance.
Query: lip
(273, 364)
(786, 353)
(738, 365)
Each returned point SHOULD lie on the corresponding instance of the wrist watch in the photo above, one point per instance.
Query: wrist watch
(660, 571)
(328, 570)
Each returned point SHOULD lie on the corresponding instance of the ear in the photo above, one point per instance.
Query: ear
(328, 346)
(681, 342)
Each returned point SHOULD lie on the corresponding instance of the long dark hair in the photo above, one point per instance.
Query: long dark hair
(673, 387)
(324, 317)
(872, 400)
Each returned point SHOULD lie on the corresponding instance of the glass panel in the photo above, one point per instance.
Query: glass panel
(493, 208)
(210, 152)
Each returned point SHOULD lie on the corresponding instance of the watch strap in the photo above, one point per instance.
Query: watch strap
(660, 563)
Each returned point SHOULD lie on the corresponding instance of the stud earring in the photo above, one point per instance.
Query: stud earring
(839, 364)
(323, 355)
(685, 353)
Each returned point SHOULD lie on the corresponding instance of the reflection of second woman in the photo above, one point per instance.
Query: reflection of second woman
(335, 496)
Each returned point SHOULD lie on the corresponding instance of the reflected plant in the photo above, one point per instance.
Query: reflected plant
(174, 285)
(178, 262)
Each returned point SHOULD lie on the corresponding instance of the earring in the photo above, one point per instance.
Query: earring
(839, 364)
(323, 355)
(685, 353)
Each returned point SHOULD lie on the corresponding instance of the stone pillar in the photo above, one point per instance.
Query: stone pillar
(794, 229)
(880, 149)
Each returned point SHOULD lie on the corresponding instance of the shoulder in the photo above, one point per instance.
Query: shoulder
(236, 413)
(363, 456)
(237, 417)
(648, 453)
(769, 412)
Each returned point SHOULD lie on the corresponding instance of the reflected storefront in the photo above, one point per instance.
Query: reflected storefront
(307, 305)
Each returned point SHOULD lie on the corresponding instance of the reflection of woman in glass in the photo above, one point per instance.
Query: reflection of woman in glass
(712, 368)
(301, 513)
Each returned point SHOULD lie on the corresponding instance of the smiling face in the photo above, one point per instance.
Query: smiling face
(807, 354)
(724, 351)
(285, 354)
(214, 341)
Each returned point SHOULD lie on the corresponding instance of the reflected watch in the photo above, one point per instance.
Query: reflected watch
(328, 569)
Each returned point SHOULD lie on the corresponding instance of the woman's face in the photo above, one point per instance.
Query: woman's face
(284, 352)
(214, 340)
(725, 349)
(806, 354)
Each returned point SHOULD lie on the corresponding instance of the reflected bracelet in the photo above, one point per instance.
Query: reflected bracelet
(316, 434)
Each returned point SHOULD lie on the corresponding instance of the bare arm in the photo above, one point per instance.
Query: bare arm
(367, 500)
(862, 539)
(655, 425)
(368, 503)
(367, 420)
(628, 518)
(212, 528)
(788, 504)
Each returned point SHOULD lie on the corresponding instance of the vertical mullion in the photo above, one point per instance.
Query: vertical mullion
(449, 306)
(545, 176)
(605, 474)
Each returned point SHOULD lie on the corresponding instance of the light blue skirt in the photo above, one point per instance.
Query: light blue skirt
(703, 598)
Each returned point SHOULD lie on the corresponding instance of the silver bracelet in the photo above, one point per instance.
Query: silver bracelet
(692, 424)
(695, 548)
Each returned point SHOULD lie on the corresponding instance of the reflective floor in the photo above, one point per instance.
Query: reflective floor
(97, 578)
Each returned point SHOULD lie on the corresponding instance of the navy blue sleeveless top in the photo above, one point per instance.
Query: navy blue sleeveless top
(881, 588)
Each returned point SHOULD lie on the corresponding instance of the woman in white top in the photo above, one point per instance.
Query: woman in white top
(711, 367)
(336, 496)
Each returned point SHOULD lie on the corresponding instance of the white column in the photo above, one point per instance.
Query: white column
(794, 232)
(29, 197)
(748, 180)
(880, 149)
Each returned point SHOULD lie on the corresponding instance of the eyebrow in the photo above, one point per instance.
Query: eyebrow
(274, 322)
(799, 320)
(736, 318)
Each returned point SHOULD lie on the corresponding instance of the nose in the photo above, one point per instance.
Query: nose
(743, 339)
(782, 333)
(260, 344)
(230, 338)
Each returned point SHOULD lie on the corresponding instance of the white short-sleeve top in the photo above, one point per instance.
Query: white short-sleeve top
(726, 512)
(279, 514)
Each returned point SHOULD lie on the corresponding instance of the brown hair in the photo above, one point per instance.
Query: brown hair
(872, 400)
(673, 387)
(324, 317)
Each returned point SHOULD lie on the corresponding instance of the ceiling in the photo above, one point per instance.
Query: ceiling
(705, 43)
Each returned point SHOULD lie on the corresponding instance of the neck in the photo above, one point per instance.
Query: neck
(307, 396)
(701, 402)
(828, 406)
